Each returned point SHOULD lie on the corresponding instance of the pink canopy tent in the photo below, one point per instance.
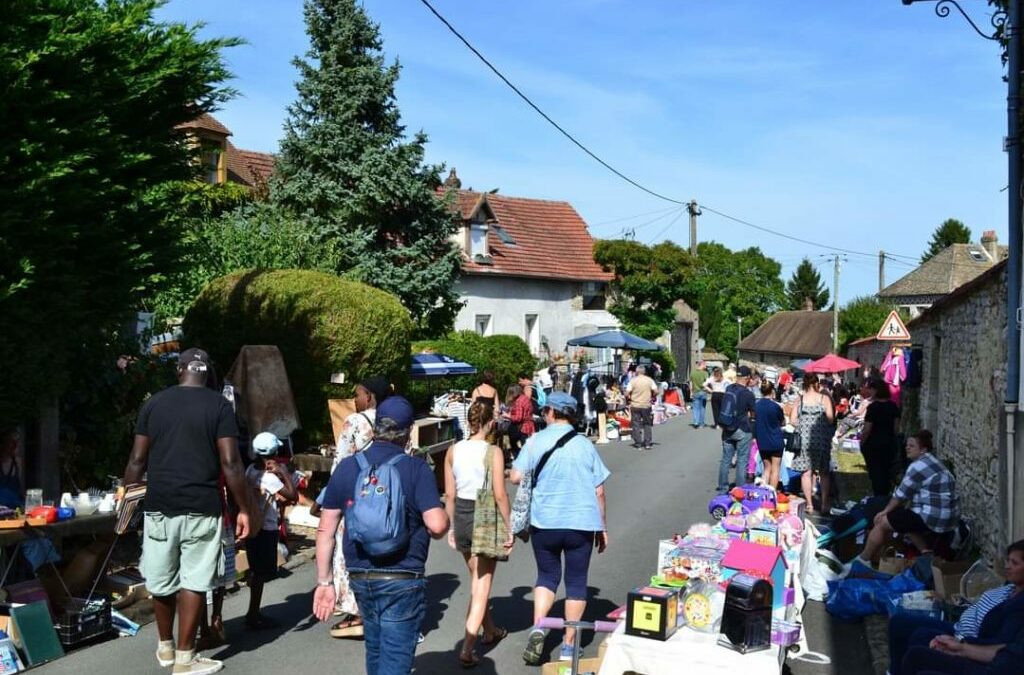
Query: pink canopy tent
(830, 363)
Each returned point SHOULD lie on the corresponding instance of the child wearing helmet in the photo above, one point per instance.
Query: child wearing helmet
(272, 483)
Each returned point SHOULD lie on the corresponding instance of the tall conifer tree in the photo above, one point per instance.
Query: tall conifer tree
(806, 283)
(347, 168)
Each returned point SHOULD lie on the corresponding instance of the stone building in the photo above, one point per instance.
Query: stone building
(961, 344)
(867, 351)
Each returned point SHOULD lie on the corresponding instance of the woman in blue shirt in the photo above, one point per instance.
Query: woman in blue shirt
(768, 421)
(567, 516)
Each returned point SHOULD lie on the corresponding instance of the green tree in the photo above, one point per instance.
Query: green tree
(805, 283)
(950, 232)
(861, 317)
(347, 170)
(728, 284)
(92, 92)
(648, 281)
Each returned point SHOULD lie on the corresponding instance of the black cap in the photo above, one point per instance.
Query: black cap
(743, 371)
(378, 386)
(194, 359)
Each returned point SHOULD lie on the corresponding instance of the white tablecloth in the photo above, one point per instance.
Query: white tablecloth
(685, 652)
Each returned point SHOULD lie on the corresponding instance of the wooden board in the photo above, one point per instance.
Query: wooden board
(340, 409)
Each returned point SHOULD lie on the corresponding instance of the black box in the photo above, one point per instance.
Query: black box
(747, 617)
(652, 612)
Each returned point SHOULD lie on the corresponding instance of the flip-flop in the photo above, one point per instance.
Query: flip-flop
(500, 635)
(350, 626)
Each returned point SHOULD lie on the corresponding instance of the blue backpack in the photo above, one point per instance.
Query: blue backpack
(727, 413)
(376, 519)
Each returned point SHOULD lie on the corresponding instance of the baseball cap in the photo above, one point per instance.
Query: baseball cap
(265, 444)
(194, 359)
(378, 386)
(561, 402)
(396, 409)
(744, 371)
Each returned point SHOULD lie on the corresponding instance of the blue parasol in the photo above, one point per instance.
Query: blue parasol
(438, 365)
(616, 339)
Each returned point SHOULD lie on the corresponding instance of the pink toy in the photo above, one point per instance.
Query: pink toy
(767, 562)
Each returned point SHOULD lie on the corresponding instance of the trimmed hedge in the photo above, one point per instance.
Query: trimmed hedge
(321, 323)
(505, 355)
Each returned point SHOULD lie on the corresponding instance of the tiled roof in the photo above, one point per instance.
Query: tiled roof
(206, 122)
(248, 167)
(944, 272)
(797, 333)
(963, 291)
(545, 239)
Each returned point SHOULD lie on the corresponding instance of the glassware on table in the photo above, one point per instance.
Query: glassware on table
(33, 498)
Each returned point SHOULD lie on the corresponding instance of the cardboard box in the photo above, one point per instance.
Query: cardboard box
(587, 666)
(946, 576)
(652, 612)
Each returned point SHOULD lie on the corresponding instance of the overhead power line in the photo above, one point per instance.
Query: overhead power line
(666, 228)
(639, 215)
(543, 114)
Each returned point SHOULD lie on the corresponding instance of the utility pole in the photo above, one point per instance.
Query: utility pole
(881, 271)
(836, 260)
(694, 211)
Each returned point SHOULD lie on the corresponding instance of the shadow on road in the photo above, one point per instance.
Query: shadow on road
(440, 588)
(433, 663)
(295, 610)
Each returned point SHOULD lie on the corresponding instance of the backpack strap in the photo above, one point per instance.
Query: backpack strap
(364, 463)
(395, 460)
(547, 455)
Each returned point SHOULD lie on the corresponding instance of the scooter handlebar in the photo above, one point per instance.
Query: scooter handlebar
(554, 623)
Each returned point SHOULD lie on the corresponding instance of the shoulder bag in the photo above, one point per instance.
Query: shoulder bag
(524, 495)
(796, 439)
(489, 531)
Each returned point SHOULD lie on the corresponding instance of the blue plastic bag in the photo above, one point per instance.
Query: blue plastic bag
(855, 598)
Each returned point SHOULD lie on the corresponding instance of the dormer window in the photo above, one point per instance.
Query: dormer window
(212, 157)
(477, 240)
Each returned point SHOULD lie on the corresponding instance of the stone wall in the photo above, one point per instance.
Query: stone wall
(963, 342)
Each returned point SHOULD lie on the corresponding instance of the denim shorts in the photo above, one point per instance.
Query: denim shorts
(181, 552)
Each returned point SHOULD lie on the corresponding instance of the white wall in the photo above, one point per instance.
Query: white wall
(508, 301)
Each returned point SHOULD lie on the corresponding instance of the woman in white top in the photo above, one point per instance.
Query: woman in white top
(464, 472)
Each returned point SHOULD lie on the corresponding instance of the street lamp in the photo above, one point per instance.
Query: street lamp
(1006, 29)
(739, 336)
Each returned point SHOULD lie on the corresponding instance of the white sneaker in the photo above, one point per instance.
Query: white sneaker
(165, 654)
(199, 665)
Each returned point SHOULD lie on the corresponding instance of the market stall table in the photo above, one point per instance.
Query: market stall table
(700, 652)
(94, 524)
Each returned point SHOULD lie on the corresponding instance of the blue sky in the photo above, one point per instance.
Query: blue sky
(860, 125)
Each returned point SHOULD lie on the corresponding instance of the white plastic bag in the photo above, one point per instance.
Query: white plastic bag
(817, 566)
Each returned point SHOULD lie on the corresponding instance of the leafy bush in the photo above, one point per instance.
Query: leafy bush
(505, 355)
(321, 323)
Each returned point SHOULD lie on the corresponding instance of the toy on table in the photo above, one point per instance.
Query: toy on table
(702, 606)
(785, 633)
(767, 562)
(791, 530)
(747, 614)
(651, 612)
(782, 503)
(743, 500)
(700, 558)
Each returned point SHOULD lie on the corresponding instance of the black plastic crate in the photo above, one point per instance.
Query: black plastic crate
(82, 620)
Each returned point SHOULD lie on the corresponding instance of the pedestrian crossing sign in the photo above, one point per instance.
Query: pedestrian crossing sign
(893, 328)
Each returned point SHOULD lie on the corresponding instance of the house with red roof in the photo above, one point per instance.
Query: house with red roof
(528, 269)
(222, 161)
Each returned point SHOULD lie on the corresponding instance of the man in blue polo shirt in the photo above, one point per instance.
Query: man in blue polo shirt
(389, 590)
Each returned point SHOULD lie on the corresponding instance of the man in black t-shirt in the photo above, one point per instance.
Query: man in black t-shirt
(185, 437)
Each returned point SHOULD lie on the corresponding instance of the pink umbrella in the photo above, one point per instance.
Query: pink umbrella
(830, 363)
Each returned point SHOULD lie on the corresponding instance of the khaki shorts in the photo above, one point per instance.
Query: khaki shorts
(181, 552)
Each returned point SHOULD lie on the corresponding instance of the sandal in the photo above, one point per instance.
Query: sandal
(470, 661)
(350, 626)
(499, 635)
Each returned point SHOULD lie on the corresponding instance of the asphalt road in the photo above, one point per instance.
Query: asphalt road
(651, 495)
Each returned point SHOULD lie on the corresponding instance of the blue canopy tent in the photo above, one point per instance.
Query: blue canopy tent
(425, 365)
(800, 364)
(616, 339)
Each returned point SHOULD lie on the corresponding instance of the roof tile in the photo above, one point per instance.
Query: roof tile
(797, 333)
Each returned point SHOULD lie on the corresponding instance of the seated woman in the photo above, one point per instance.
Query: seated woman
(924, 507)
(994, 619)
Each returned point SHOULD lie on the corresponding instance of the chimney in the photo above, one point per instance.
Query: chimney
(808, 305)
(452, 182)
(990, 242)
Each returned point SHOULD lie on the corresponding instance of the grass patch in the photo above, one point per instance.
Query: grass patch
(852, 475)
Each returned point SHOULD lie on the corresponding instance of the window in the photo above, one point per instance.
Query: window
(532, 333)
(483, 324)
(477, 240)
(211, 158)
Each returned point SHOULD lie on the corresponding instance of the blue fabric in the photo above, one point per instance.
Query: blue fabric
(925, 661)
(736, 443)
(744, 408)
(1002, 623)
(700, 400)
(850, 599)
(549, 548)
(906, 631)
(421, 495)
(768, 425)
(376, 521)
(393, 613)
(564, 497)
(969, 624)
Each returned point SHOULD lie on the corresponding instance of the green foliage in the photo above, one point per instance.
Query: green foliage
(98, 420)
(664, 359)
(252, 236)
(92, 92)
(347, 170)
(805, 283)
(648, 281)
(861, 317)
(950, 232)
(505, 355)
(322, 324)
(728, 284)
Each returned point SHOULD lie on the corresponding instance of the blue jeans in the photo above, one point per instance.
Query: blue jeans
(910, 631)
(392, 614)
(700, 400)
(735, 444)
